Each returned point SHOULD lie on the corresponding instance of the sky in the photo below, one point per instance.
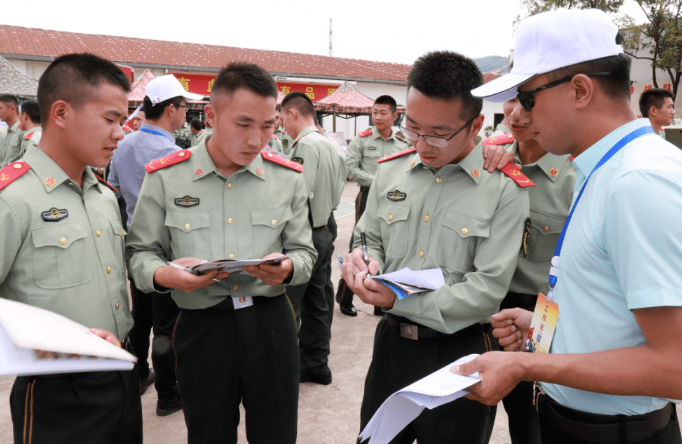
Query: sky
(395, 31)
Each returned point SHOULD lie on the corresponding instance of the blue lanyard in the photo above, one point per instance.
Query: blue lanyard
(554, 271)
(147, 130)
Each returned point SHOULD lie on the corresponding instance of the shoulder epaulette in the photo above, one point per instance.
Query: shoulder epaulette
(516, 175)
(274, 158)
(572, 158)
(167, 161)
(106, 183)
(127, 128)
(274, 136)
(365, 133)
(503, 139)
(401, 139)
(28, 136)
(396, 155)
(12, 172)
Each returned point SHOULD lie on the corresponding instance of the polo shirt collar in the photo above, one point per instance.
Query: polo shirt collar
(157, 129)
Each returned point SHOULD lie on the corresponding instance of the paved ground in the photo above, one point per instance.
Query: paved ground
(327, 414)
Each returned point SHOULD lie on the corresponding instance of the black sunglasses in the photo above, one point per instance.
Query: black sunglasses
(526, 97)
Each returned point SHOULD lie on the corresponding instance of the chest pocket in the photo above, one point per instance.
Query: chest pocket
(190, 234)
(119, 236)
(459, 238)
(394, 228)
(268, 224)
(59, 256)
(544, 235)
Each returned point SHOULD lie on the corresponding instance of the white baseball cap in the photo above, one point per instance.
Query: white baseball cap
(166, 87)
(552, 40)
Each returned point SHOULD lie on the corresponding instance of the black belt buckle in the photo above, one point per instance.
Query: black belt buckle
(409, 331)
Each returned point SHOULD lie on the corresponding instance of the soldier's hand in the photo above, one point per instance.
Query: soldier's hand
(107, 336)
(499, 372)
(511, 327)
(496, 157)
(370, 292)
(273, 274)
(171, 277)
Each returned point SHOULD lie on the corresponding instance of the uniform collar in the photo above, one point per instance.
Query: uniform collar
(35, 129)
(14, 127)
(377, 135)
(202, 164)
(550, 164)
(51, 175)
(472, 164)
(305, 132)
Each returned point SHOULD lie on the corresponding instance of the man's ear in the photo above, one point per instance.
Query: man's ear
(584, 89)
(476, 126)
(59, 112)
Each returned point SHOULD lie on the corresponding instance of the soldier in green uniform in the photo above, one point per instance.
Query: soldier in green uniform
(9, 113)
(550, 202)
(364, 151)
(438, 208)
(657, 105)
(281, 133)
(324, 172)
(63, 250)
(30, 122)
(183, 136)
(197, 131)
(275, 144)
(235, 339)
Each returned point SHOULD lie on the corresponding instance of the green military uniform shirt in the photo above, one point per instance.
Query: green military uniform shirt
(550, 203)
(500, 129)
(183, 136)
(63, 249)
(31, 139)
(461, 219)
(324, 171)
(260, 209)
(275, 144)
(195, 138)
(11, 146)
(287, 142)
(365, 152)
(203, 138)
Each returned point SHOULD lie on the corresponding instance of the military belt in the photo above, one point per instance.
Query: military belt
(365, 189)
(411, 330)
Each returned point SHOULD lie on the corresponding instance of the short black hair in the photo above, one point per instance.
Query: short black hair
(387, 100)
(653, 97)
(298, 100)
(10, 100)
(278, 108)
(249, 76)
(32, 110)
(70, 78)
(615, 85)
(449, 76)
(154, 112)
(196, 124)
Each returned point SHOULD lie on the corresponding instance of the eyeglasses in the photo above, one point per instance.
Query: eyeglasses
(526, 98)
(432, 140)
(181, 106)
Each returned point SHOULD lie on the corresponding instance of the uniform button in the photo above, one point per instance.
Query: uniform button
(230, 220)
(187, 226)
(123, 233)
(181, 155)
(390, 217)
(421, 254)
(439, 179)
(546, 228)
(62, 241)
(109, 269)
(465, 230)
(372, 156)
(99, 233)
(274, 222)
(118, 305)
(232, 256)
(426, 218)
(229, 185)
(17, 166)
(236, 287)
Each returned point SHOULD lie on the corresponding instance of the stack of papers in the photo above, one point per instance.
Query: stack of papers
(406, 282)
(402, 407)
(34, 341)
(233, 266)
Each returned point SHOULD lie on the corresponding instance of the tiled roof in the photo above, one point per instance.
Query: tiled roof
(148, 53)
(13, 81)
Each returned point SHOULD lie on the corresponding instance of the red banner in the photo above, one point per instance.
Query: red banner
(203, 85)
(128, 71)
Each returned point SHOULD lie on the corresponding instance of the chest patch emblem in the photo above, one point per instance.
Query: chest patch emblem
(187, 201)
(55, 215)
(396, 196)
(297, 160)
(285, 143)
(372, 148)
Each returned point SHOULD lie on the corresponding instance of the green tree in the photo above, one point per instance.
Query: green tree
(533, 7)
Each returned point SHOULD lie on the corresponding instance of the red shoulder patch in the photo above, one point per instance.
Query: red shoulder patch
(106, 183)
(12, 172)
(401, 139)
(274, 136)
(167, 161)
(365, 133)
(28, 136)
(516, 175)
(127, 128)
(572, 158)
(504, 139)
(274, 158)
(396, 155)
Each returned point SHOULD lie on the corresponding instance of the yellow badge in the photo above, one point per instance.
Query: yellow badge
(475, 173)
(543, 325)
(49, 182)
(553, 172)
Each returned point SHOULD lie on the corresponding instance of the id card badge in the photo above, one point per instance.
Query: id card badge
(543, 325)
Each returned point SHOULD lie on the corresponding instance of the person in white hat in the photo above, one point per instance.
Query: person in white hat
(614, 362)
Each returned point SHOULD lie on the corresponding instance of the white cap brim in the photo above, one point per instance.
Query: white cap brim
(192, 96)
(501, 89)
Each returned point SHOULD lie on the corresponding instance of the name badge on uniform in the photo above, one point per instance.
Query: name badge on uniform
(55, 215)
(297, 160)
(543, 325)
(396, 196)
(242, 302)
(187, 201)
(372, 148)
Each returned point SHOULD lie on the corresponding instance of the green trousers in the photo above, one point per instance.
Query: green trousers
(226, 357)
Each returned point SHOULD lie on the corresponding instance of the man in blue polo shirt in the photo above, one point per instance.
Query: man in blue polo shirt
(615, 361)
(165, 106)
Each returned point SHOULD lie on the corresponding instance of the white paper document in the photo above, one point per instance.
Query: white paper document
(34, 341)
(233, 266)
(402, 407)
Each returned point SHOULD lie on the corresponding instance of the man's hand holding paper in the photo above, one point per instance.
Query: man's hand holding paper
(171, 277)
(272, 273)
(355, 271)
